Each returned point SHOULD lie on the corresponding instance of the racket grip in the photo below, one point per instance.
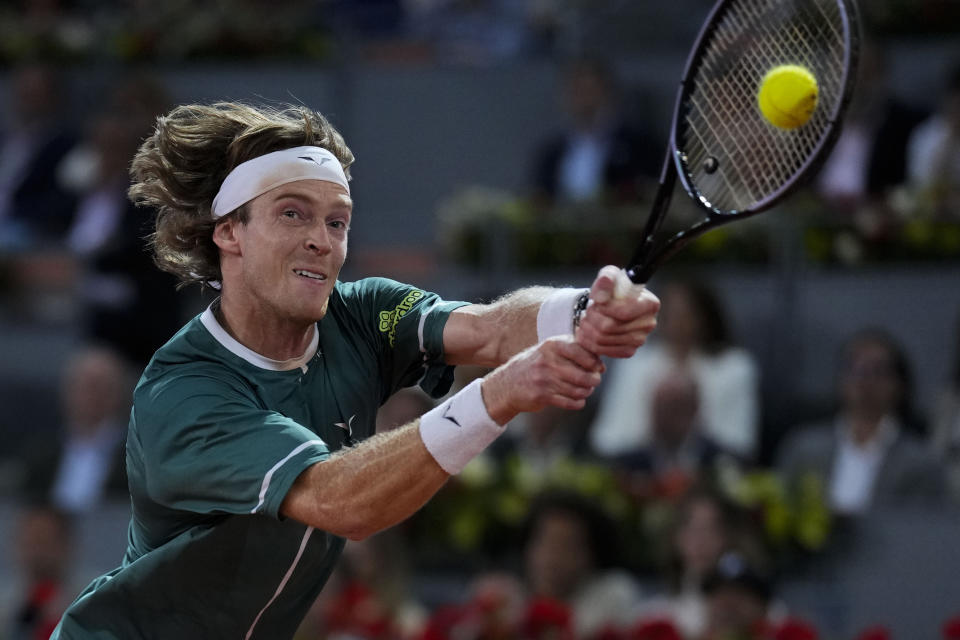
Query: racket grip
(624, 288)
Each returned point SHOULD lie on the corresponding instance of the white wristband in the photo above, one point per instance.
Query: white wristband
(459, 428)
(555, 317)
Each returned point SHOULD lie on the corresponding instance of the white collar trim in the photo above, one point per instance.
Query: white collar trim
(209, 320)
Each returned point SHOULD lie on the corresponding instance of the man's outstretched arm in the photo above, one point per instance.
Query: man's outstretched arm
(385, 479)
(490, 334)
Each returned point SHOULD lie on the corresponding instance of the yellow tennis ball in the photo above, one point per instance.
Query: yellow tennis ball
(788, 96)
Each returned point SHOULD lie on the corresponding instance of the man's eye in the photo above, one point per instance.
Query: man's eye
(291, 213)
(338, 224)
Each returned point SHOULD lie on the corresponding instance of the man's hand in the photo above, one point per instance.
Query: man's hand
(558, 372)
(619, 317)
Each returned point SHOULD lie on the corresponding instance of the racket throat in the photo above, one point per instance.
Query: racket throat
(636, 270)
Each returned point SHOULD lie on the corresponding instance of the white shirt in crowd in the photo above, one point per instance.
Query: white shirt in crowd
(856, 466)
(729, 399)
(932, 150)
(84, 468)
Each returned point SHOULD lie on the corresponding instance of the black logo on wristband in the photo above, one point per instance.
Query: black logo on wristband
(446, 414)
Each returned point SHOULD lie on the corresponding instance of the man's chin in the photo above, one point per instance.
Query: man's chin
(313, 313)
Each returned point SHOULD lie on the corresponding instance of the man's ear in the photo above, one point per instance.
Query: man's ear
(225, 236)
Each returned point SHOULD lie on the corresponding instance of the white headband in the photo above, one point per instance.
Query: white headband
(261, 174)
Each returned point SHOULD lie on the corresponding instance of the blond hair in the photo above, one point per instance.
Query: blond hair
(179, 169)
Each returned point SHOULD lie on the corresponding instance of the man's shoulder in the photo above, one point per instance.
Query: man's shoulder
(377, 298)
(191, 361)
(376, 285)
(913, 450)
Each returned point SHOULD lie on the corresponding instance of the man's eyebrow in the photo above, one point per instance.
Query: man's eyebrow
(339, 203)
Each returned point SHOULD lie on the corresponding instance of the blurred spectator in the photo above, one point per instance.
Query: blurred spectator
(946, 421)
(692, 334)
(737, 595)
(474, 32)
(43, 549)
(370, 595)
(88, 464)
(35, 208)
(570, 555)
(739, 604)
(128, 302)
(705, 525)
(368, 19)
(495, 610)
(934, 154)
(678, 455)
(870, 157)
(403, 407)
(864, 454)
(599, 156)
(544, 439)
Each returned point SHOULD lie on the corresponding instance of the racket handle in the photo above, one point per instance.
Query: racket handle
(624, 288)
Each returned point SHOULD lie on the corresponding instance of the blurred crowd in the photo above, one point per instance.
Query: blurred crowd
(471, 32)
(661, 512)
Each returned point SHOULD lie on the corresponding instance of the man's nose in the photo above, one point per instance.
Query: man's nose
(318, 240)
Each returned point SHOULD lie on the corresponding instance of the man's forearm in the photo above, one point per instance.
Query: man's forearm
(385, 479)
(490, 334)
(365, 489)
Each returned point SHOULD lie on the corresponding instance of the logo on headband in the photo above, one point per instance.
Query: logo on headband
(312, 159)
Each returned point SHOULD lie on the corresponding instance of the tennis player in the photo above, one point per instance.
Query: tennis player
(249, 453)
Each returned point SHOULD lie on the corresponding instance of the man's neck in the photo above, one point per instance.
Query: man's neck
(265, 334)
(864, 428)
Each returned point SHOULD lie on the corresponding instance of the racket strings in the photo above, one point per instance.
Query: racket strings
(721, 119)
(767, 172)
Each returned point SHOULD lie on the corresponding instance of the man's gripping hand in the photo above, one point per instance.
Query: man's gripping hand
(558, 372)
(619, 316)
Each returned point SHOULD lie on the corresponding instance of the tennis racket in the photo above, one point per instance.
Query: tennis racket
(731, 160)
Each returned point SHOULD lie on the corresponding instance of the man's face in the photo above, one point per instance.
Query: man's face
(869, 383)
(289, 253)
(674, 409)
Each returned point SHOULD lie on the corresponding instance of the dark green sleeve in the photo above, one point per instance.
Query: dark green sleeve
(200, 444)
(406, 325)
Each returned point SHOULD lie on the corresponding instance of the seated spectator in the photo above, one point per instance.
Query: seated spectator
(369, 596)
(43, 549)
(738, 603)
(128, 303)
(403, 407)
(692, 334)
(570, 558)
(495, 609)
(933, 160)
(544, 439)
(737, 596)
(870, 156)
(35, 208)
(864, 454)
(598, 156)
(678, 455)
(88, 464)
(472, 32)
(704, 526)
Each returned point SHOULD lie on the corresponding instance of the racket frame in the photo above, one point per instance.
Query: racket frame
(649, 256)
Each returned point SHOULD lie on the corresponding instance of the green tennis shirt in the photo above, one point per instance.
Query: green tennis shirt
(217, 436)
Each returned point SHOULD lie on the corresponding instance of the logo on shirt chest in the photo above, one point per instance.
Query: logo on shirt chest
(347, 427)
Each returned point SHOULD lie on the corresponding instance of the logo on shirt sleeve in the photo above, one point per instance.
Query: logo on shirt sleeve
(389, 319)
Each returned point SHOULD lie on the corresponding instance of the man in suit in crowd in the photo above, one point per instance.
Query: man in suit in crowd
(865, 455)
(87, 464)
